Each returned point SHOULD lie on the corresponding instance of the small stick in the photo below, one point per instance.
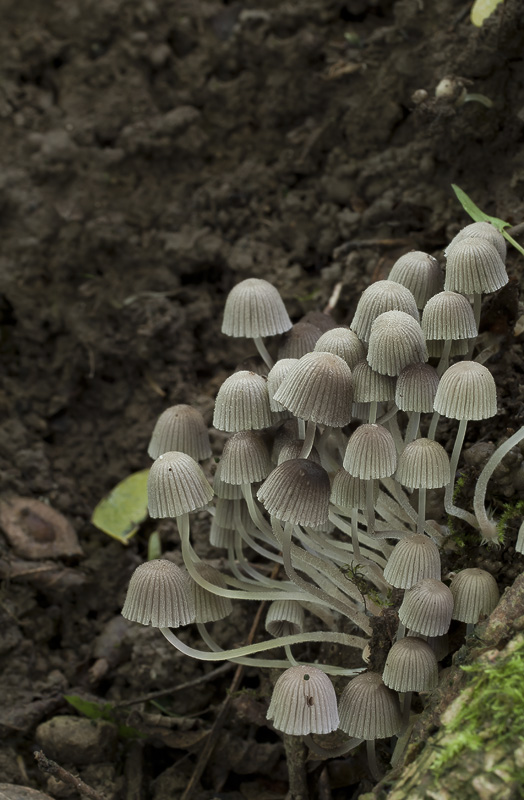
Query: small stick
(47, 765)
(209, 676)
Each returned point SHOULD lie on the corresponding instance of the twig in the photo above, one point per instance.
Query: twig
(333, 300)
(47, 765)
(209, 676)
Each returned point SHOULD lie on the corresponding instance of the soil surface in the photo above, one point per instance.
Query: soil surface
(153, 153)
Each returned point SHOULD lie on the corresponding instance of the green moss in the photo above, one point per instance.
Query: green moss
(511, 510)
(492, 714)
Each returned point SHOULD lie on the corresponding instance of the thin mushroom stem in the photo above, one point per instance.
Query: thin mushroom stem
(477, 306)
(450, 507)
(372, 760)
(488, 527)
(309, 438)
(406, 710)
(433, 425)
(413, 426)
(370, 506)
(262, 351)
(443, 364)
(421, 509)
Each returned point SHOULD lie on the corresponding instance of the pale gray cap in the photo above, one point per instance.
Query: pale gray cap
(290, 450)
(242, 403)
(449, 315)
(474, 266)
(181, 428)
(297, 491)
(219, 537)
(176, 485)
(370, 453)
(482, 230)
(318, 388)
(160, 595)
(423, 464)
(276, 375)
(285, 618)
(420, 273)
(427, 608)
(375, 300)
(466, 391)
(396, 340)
(416, 388)
(303, 702)
(368, 709)
(413, 559)
(210, 607)
(245, 459)
(254, 308)
(344, 343)
(411, 666)
(301, 339)
(348, 492)
(475, 593)
(225, 513)
(370, 386)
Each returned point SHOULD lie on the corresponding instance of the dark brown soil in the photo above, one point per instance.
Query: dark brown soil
(153, 153)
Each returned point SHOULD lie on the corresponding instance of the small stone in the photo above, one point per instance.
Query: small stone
(73, 740)
(36, 531)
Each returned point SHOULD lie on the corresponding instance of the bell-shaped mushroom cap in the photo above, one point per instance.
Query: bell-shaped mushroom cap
(466, 391)
(220, 537)
(396, 340)
(301, 339)
(449, 315)
(275, 378)
(420, 273)
(344, 343)
(412, 560)
(368, 709)
(427, 608)
(411, 666)
(297, 491)
(348, 492)
(160, 595)
(254, 308)
(181, 428)
(318, 388)
(225, 514)
(285, 618)
(370, 453)
(475, 593)
(176, 485)
(474, 266)
(375, 300)
(303, 701)
(228, 491)
(370, 386)
(483, 230)
(423, 464)
(242, 403)
(459, 347)
(209, 606)
(292, 450)
(245, 459)
(416, 388)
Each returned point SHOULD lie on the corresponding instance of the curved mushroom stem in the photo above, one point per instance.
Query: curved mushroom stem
(372, 760)
(413, 426)
(262, 351)
(309, 438)
(443, 364)
(433, 425)
(450, 507)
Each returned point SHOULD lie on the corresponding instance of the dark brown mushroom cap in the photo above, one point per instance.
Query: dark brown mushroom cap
(253, 309)
(297, 491)
(368, 709)
(303, 702)
(160, 595)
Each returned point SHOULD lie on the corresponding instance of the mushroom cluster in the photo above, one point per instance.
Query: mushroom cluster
(331, 454)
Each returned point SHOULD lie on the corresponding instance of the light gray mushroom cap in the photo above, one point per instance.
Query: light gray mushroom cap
(176, 485)
(474, 266)
(427, 608)
(253, 309)
(449, 315)
(370, 386)
(466, 391)
(297, 491)
(396, 340)
(413, 559)
(411, 666)
(475, 593)
(375, 300)
(180, 428)
(285, 618)
(368, 709)
(423, 464)
(420, 273)
(245, 459)
(242, 403)
(416, 388)
(370, 453)
(210, 607)
(303, 702)
(344, 343)
(160, 595)
(482, 230)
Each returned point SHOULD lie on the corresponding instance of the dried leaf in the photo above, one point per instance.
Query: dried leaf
(35, 530)
(122, 511)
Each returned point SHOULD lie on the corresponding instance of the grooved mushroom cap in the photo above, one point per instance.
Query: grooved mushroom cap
(420, 273)
(411, 666)
(416, 388)
(449, 315)
(427, 608)
(475, 593)
(412, 560)
(482, 230)
(301, 339)
(303, 701)
(210, 607)
(176, 485)
(466, 391)
(254, 308)
(226, 512)
(180, 428)
(348, 492)
(220, 537)
(291, 450)
(474, 266)
(297, 491)
(160, 595)
(396, 340)
(285, 618)
(370, 386)
(275, 378)
(242, 403)
(245, 459)
(370, 453)
(344, 343)
(318, 388)
(368, 709)
(375, 300)
(228, 491)
(423, 464)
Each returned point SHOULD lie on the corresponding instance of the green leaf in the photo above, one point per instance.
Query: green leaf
(482, 9)
(154, 546)
(121, 513)
(104, 711)
(479, 216)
